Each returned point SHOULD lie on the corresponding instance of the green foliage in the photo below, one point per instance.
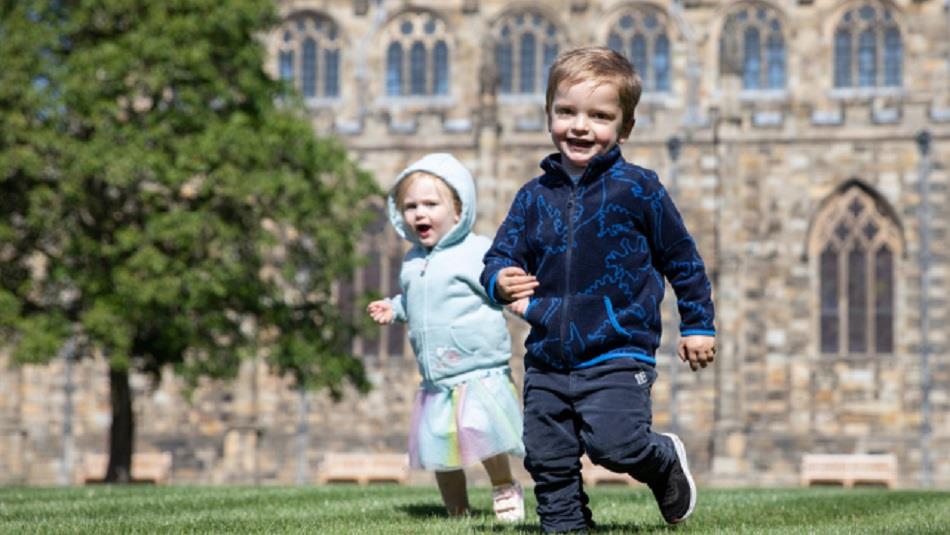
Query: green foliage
(41, 336)
(25, 139)
(348, 509)
(159, 196)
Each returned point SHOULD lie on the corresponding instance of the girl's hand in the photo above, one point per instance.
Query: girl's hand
(519, 307)
(381, 311)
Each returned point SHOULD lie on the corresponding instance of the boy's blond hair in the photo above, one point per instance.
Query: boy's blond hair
(603, 65)
(444, 187)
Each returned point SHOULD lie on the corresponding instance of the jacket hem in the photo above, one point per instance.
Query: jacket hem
(446, 383)
(642, 357)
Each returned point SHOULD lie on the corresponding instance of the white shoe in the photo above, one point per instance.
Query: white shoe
(508, 502)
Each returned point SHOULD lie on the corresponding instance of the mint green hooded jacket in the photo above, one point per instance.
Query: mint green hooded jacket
(455, 330)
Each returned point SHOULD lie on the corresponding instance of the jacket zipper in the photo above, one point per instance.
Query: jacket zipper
(425, 319)
(568, 287)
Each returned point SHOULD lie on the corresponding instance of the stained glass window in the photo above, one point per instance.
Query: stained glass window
(526, 44)
(372, 282)
(396, 332)
(394, 70)
(417, 56)
(762, 46)
(843, 58)
(379, 277)
(857, 240)
(857, 299)
(828, 274)
(884, 300)
(640, 34)
(868, 51)
(308, 55)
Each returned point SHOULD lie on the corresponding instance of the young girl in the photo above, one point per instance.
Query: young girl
(466, 409)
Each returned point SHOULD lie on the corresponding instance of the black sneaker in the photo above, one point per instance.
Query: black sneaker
(677, 495)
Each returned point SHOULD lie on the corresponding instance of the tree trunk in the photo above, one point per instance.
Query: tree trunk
(123, 426)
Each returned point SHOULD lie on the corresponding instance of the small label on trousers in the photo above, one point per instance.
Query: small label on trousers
(641, 378)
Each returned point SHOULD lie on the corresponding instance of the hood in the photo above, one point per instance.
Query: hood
(446, 167)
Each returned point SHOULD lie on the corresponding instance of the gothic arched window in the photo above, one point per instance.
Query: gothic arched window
(526, 44)
(856, 245)
(308, 55)
(753, 35)
(379, 277)
(868, 51)
(640, 35)
(417, 56)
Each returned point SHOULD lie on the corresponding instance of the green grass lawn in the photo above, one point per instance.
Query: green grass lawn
(394, 509)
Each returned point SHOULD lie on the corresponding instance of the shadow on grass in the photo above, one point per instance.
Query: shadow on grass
(487, 524)
(429, 510)
(601, 528)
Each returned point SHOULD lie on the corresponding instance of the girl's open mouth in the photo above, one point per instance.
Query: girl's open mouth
(422, 230)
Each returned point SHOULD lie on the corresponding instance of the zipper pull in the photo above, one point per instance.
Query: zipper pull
(425, 265)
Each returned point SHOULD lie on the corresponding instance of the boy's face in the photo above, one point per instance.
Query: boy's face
(428, 210)
(585, 120)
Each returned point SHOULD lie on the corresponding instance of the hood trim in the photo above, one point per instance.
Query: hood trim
(449, 169)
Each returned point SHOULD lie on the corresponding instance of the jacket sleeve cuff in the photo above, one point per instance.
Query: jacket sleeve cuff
(491, 289)
(399, 311)
(697, 332)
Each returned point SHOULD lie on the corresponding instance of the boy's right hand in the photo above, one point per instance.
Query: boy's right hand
(381, 311)
(514, 284)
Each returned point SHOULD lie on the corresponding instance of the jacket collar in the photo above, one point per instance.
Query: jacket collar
(555, 172)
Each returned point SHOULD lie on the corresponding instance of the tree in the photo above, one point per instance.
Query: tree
(165, 201)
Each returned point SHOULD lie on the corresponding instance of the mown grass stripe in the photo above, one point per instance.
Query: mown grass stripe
(357, 510)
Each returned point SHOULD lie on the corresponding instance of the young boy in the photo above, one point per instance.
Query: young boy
(581, 256)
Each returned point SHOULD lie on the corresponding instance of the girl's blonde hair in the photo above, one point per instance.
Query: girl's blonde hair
(444, 188)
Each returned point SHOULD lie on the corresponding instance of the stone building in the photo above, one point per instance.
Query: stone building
(807, 143)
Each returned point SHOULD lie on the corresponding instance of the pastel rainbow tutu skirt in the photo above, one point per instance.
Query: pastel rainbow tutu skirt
(464, 423)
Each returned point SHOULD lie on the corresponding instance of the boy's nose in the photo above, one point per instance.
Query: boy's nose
(580, 123)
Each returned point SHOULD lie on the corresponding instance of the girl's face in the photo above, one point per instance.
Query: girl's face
(428, 210)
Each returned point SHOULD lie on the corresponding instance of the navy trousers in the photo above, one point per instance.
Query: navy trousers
(605, 411)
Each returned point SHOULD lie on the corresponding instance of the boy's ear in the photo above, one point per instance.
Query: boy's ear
(625, 131)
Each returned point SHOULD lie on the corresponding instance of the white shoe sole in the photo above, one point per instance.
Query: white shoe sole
(681, 455)
(516, 512)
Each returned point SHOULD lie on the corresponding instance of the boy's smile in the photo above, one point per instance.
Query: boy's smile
(428, 210)
(585, 120)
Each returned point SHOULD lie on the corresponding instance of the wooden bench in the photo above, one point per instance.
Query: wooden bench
(595, 475)
(151, 467)
(364, 468)
(849, 470)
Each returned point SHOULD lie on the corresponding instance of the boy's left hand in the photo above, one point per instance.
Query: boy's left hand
(519, 307)
(699, 351)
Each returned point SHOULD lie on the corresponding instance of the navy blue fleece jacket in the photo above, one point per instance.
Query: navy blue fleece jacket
(600, 250)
